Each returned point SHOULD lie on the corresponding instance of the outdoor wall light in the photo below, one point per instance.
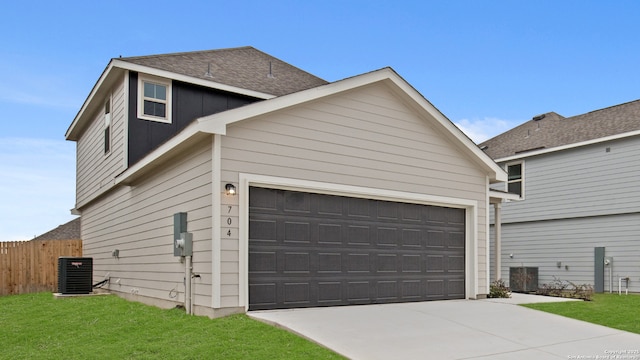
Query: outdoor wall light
(230, 189)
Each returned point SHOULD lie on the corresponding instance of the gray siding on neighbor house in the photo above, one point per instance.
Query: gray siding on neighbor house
(572, 241)
(95, 170)
(366, 137)
(584, 181)
(137, 219)
(576, 200)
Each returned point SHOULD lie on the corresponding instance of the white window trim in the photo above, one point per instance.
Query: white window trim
(108, 122)
(522, 179)
(142, 78)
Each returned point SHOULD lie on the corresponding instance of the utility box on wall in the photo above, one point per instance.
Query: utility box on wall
(523, 279)
(75, 275)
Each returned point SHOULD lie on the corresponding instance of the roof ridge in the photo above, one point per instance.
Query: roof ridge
(189, 53)
(603, 109)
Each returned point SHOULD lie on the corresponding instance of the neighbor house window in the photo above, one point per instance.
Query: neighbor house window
(515, 183)
(107, 126)
(154, 100)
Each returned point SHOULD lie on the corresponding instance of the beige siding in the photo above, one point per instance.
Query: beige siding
(95, 169)
(138, 221)
(365, 138)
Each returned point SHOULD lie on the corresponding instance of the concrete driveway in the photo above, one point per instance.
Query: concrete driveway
(455, 329)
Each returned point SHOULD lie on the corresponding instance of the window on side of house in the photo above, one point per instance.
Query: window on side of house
(107, 126)
(154, 99)
(515, 182)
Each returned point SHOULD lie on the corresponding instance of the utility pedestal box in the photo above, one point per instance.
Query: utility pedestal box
(523, 279)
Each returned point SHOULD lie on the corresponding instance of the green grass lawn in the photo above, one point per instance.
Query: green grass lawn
(612, 310)
(37, 326)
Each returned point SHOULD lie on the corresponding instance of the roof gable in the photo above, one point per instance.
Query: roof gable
(244, 70)
(549, 131)
(217, 123)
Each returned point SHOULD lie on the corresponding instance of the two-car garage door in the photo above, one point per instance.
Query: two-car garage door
(308, 249)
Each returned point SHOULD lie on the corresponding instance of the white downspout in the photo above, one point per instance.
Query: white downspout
(187, 280)
(498, 239)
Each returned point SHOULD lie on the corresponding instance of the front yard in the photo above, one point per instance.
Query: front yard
(612, 310)
(37, 326)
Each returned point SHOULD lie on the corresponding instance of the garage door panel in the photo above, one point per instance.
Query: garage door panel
(298, 232)
(263, 294)
(411, 238)
(297, 262)
(263, 230)
(358, 208)
(359, 235)
(330, 293)
(325, 250)
(297, 293)
(296, 202)
(329, 263)
(387, 236)
(263, 262)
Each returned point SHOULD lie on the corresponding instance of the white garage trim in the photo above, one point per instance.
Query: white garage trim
(246, 180)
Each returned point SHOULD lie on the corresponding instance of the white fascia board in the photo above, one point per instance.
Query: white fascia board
(569, 146)
(498, 174)
(88, 100)
(189, 79)
(501, 195)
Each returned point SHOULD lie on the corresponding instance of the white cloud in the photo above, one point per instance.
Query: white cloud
(480, 130)
(37, 186)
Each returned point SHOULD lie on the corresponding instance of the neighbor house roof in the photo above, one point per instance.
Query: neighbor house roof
(243, 70)
(243, 67)
(552, 131)
(68, 231)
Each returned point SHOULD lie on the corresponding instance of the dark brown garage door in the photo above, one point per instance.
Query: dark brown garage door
(310, 250)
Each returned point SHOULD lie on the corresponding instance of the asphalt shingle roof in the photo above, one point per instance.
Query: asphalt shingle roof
(242, 67)
(554, 130)
(68, 231)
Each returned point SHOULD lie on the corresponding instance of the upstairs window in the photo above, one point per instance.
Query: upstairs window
(515, 182)
(154, 100)
(107, 126)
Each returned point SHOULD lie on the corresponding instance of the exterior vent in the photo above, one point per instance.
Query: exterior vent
(75, 275)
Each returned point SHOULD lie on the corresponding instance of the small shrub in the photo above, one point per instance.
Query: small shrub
(560, 288)
(498, 289)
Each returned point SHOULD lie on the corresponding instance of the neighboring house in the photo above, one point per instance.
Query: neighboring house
(67, 231)
(352, 192)
(578, 180)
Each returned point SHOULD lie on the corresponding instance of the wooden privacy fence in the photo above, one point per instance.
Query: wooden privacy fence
(32, 266)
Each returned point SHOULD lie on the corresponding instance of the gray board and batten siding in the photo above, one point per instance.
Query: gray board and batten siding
(189, 102)
(575, 200)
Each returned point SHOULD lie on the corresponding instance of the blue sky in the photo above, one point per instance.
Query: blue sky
(487, 65)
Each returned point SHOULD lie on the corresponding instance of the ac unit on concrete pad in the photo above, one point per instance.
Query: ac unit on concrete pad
(75, 275)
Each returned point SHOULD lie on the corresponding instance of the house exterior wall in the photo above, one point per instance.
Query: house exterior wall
(367, 138)
(137, 219)
(95, 170)
(189, 102)
(575, 200)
